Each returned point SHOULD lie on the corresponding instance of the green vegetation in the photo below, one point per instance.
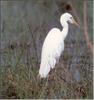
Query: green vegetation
(24, 25)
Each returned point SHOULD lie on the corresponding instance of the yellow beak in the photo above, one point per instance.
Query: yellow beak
(75, 23)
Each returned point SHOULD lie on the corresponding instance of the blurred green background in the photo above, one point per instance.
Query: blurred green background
(24, 26)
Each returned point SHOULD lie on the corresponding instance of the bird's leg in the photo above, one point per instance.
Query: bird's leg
(44, 87)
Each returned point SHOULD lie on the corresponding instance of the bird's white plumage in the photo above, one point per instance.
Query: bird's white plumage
(50, 53)
(53, 46)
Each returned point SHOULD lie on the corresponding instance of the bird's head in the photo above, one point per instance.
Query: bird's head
(67, 17)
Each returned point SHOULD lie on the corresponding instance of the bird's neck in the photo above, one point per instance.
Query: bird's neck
(65, 30)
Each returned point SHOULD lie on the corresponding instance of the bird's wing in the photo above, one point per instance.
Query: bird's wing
(52, 41)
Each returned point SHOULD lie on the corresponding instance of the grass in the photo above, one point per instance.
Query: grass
(16, 84)
(22, 37)
(22, 82)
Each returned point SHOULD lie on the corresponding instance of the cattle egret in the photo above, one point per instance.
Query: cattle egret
(53, 45)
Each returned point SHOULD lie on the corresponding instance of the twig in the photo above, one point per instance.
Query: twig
(74, 11)
(43, 89)
(89, 44)
(19, 58)
(34, 45)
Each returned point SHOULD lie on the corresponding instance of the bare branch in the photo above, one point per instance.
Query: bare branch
(89, 44)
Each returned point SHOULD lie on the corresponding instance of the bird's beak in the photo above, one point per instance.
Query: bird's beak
(75, 23)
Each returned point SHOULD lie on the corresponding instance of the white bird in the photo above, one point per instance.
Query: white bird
(53, 45)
